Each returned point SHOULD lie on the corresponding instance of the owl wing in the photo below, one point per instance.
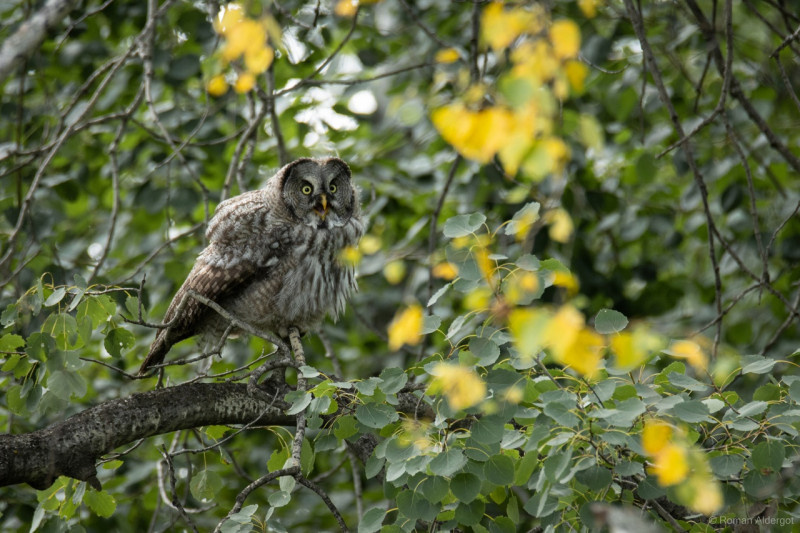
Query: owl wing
(238, 254)
(186, 314)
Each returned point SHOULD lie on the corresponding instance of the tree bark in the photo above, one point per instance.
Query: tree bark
(72, 447)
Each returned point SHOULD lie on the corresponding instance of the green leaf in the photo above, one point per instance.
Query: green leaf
(768, 456)
(97, 308)
(609, 321)
(300, 400)
(560, 412)
(595, 477)
(65, 384)
(132, 307)
(448, 462)
(469, 514)
(499, 469)
(119, 340)
(756, 364)
(205, 485)
(278, 458)
(752, 409)
(393, 380)
(101, 503)
(485, 350)
(9, 315)
(649, 489)
(16, 402)
(759, 485)
(40, 346)
(372, 520)
(64, 329)
(556, 465)
(279, 498)
(682, 381)
(376, 415)
(10, 342)
(413, 505)
(367, 386)
(430, 324)
(465, 487)
(308, 371)
(55, 297)
(488, 429)
(692, 411)
(726, 465)
(434, 488)
(462, 225)
(345, 427)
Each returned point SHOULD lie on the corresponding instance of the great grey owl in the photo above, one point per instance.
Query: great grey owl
(273, 258)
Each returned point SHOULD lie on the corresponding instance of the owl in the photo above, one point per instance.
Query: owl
(273, 257)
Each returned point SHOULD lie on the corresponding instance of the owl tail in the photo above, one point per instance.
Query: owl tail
(158, 350)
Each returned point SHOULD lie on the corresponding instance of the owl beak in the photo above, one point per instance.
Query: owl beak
(323, 212)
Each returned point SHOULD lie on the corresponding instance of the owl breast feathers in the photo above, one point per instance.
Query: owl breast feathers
(273, 257)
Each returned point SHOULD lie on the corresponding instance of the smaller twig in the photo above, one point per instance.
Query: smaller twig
(786, 42)
(174, 502)
(263, 480)
(325, 498)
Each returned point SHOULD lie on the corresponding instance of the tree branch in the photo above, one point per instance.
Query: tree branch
(72, 447)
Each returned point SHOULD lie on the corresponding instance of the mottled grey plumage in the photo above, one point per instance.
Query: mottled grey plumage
(273, 257)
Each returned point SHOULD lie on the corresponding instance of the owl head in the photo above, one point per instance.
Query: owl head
(318, 192)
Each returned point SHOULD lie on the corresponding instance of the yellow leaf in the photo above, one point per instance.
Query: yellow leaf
(346, 8)
(485, 265)
(572, 344)
(369, 244)
(566, 280)
(513, 394)
(561, 227)
(394, 272)
(478, 299)
(499, 28)
(534, 61)
(445, 270)
(217, 86)
(406, 327)
(519, 285)
(566, 38)
(655, 436)
(232, 15)
(246, 36)
(462, 387)
(670, 465)
(528, 328)
(690, 351)
(634, 348)
(584, 355)
(447, 55)
(589, 7)
(576, 73)
(350, 255)
(558, 152)
(628, 354)
(706, 495)
(477, 135)
(258, 59)
(244, 83)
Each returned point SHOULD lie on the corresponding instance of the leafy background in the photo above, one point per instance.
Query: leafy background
(115, 155)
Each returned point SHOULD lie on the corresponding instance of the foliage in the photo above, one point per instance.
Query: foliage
(581, 260)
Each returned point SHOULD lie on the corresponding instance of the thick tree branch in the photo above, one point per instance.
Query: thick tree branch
(72, 447)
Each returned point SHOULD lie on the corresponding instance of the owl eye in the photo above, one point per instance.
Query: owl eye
(333, 188)
(306, 189)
